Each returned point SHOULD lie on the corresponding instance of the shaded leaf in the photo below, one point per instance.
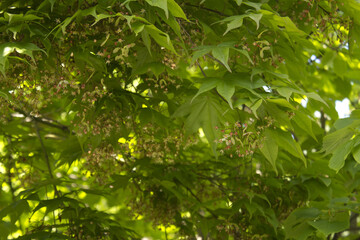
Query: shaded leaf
(334, 224)
(270, 149)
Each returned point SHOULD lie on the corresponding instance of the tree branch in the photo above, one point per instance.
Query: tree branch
(204, 74)
(207, 9)
(323, 120)
(199, 200)
(201, 69)
(46, 156)
(45, 121)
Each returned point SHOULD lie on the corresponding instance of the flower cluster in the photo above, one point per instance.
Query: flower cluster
(154, 143)
(242, 139)
(155, 201)
(102, 162)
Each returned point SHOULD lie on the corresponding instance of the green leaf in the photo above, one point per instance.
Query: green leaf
(222, 54)
(305, 123)
(208, 84)
(160, 37)
(5, 229)
(16, 208)
(257, 6)
(148, 115)
(278, 23)
(52, 2)
(238, 20)
(286, 92)
(337, 161)
(84, 57)
(355, 114)
(315, 96)
(351, 8)
(226, 85)
(20, 47)
(227, 90)
(334, 224)
(42, 235)
(15, 18)
(278, 114)
(296, 223)
(197, 115)
(183, 110)
(278, 75)
(71, 151)
(256, 17)
(281, 102)
(163, 4)
(137, 27)
(271, 218)
(234, 22)
(238, 2)
(255, 107)
(340, 65)
(242, 79)
(174, 24)
(203, 50)
(356, 153)
(204, 112)
(245, 53)
(332, 141)
(176, 10)
(91, 11)
(286, 141)
(102, 16)
(4, 96)
(55, 203)
(171, 186)
(354, 37)
(270, 149)
(146, 39)
(155, 67)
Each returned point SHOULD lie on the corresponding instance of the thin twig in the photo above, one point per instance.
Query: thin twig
(208, 55)
(8, 169)
(329, 14)
(215, 59)
(9, 175)
(52, 123)
(201, 69)
(45, 121)
(326, 11)
(199, 200)
(322, 120)
(207, 9)
(198, 64)
(46, 156)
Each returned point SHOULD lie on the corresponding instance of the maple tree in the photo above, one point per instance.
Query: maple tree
(164, 119)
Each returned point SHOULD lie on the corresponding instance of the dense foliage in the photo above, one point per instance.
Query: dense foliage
(193, 119)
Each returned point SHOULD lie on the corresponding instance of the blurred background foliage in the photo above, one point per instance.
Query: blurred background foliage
(164, 119)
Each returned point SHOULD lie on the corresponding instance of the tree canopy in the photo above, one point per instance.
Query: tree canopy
(193, 119)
